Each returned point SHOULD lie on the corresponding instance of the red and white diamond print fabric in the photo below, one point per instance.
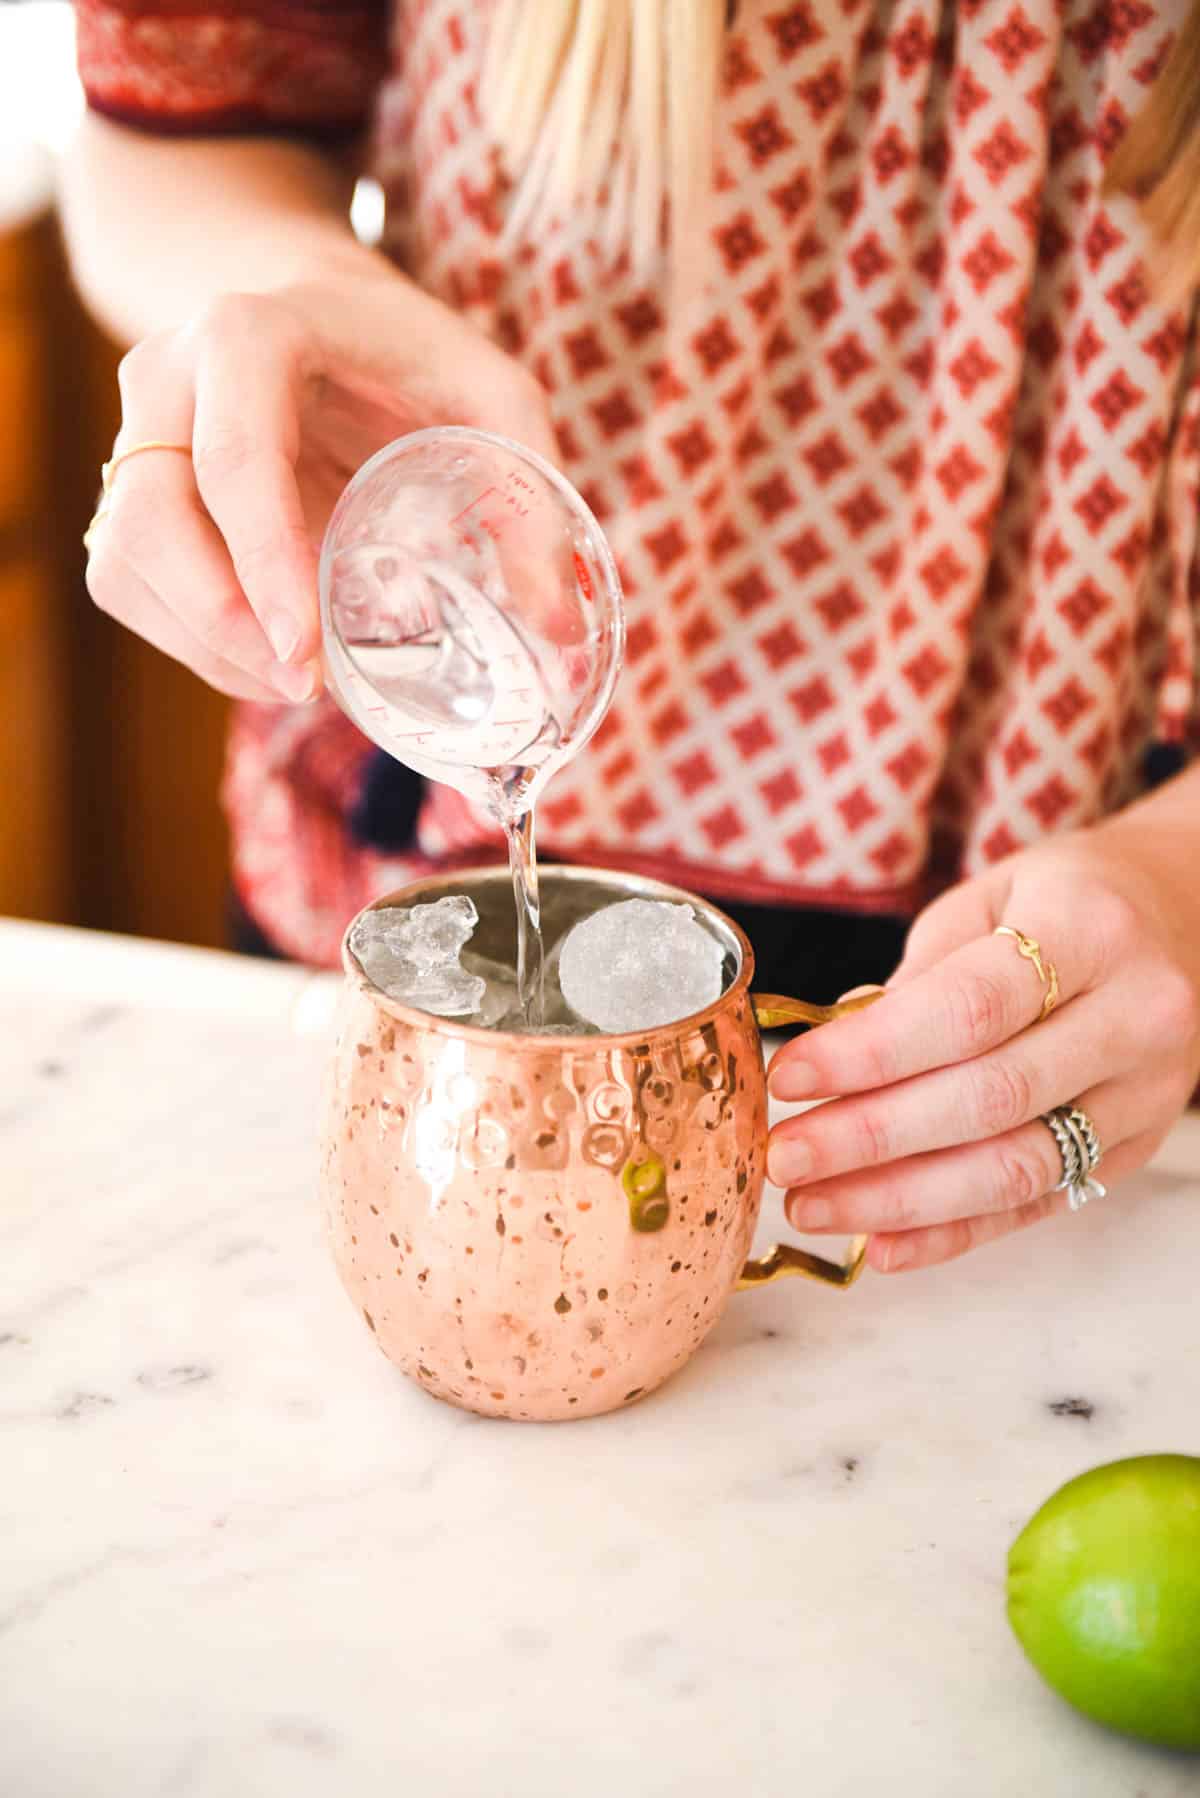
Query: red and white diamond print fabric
(904, 495)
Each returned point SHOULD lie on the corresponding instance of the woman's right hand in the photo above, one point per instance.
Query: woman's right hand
(281, 397)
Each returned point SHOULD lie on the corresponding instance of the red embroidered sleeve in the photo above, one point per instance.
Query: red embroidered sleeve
(303, 66)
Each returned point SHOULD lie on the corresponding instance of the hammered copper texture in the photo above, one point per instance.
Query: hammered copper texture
(479, 1220)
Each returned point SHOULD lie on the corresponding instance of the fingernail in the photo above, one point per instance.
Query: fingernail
(810, 1214)
(284, 634)
(789, 1162)
(900, 1254)
(793, 1080)
(295, 684)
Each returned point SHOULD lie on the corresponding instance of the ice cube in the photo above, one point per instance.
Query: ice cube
(640, 963)
(499, 1001)
(412, 954)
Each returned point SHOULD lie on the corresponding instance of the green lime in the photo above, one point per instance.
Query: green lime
(1104, 1596)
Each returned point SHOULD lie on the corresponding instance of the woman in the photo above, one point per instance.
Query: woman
(826, 308)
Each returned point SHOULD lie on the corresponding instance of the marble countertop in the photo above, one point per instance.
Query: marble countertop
(241, 1557)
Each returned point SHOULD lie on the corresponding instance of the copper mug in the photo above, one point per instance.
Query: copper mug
(548, 1227)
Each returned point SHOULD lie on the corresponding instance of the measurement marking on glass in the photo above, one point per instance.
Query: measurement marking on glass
(479, 498)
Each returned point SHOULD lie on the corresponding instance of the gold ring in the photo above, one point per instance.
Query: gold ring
(108, 474)
(1046, 972)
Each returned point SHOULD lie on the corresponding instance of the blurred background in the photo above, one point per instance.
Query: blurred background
(110, 756)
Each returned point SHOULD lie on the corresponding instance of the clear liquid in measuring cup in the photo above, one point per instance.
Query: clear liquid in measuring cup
(448, 684)
(473, 629)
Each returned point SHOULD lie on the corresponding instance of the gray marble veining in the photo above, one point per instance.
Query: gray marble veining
(240, 1556)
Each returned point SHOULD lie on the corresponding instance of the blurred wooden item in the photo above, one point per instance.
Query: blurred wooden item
(36, 869)
(110, 755)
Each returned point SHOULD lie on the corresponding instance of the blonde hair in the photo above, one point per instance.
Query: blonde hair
(1158, 160)
(612, 100)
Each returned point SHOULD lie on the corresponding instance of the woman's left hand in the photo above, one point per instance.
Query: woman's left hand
(934, 1145)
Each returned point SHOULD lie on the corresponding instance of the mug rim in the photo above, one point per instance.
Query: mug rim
(636, 886)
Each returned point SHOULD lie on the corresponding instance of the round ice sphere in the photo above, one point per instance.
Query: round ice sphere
(640, 963)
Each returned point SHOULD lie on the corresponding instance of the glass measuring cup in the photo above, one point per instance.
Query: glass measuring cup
(471, 613)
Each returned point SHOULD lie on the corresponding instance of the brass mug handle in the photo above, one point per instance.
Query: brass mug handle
(773, 1012)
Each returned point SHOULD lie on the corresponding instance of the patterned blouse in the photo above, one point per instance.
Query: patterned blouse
(905, 499)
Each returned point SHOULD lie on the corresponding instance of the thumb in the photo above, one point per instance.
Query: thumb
(957, 917)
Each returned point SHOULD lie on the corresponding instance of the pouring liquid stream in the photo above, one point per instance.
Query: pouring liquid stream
(531, 960)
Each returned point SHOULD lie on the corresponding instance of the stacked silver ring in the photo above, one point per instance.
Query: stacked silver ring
(1079, 1145)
